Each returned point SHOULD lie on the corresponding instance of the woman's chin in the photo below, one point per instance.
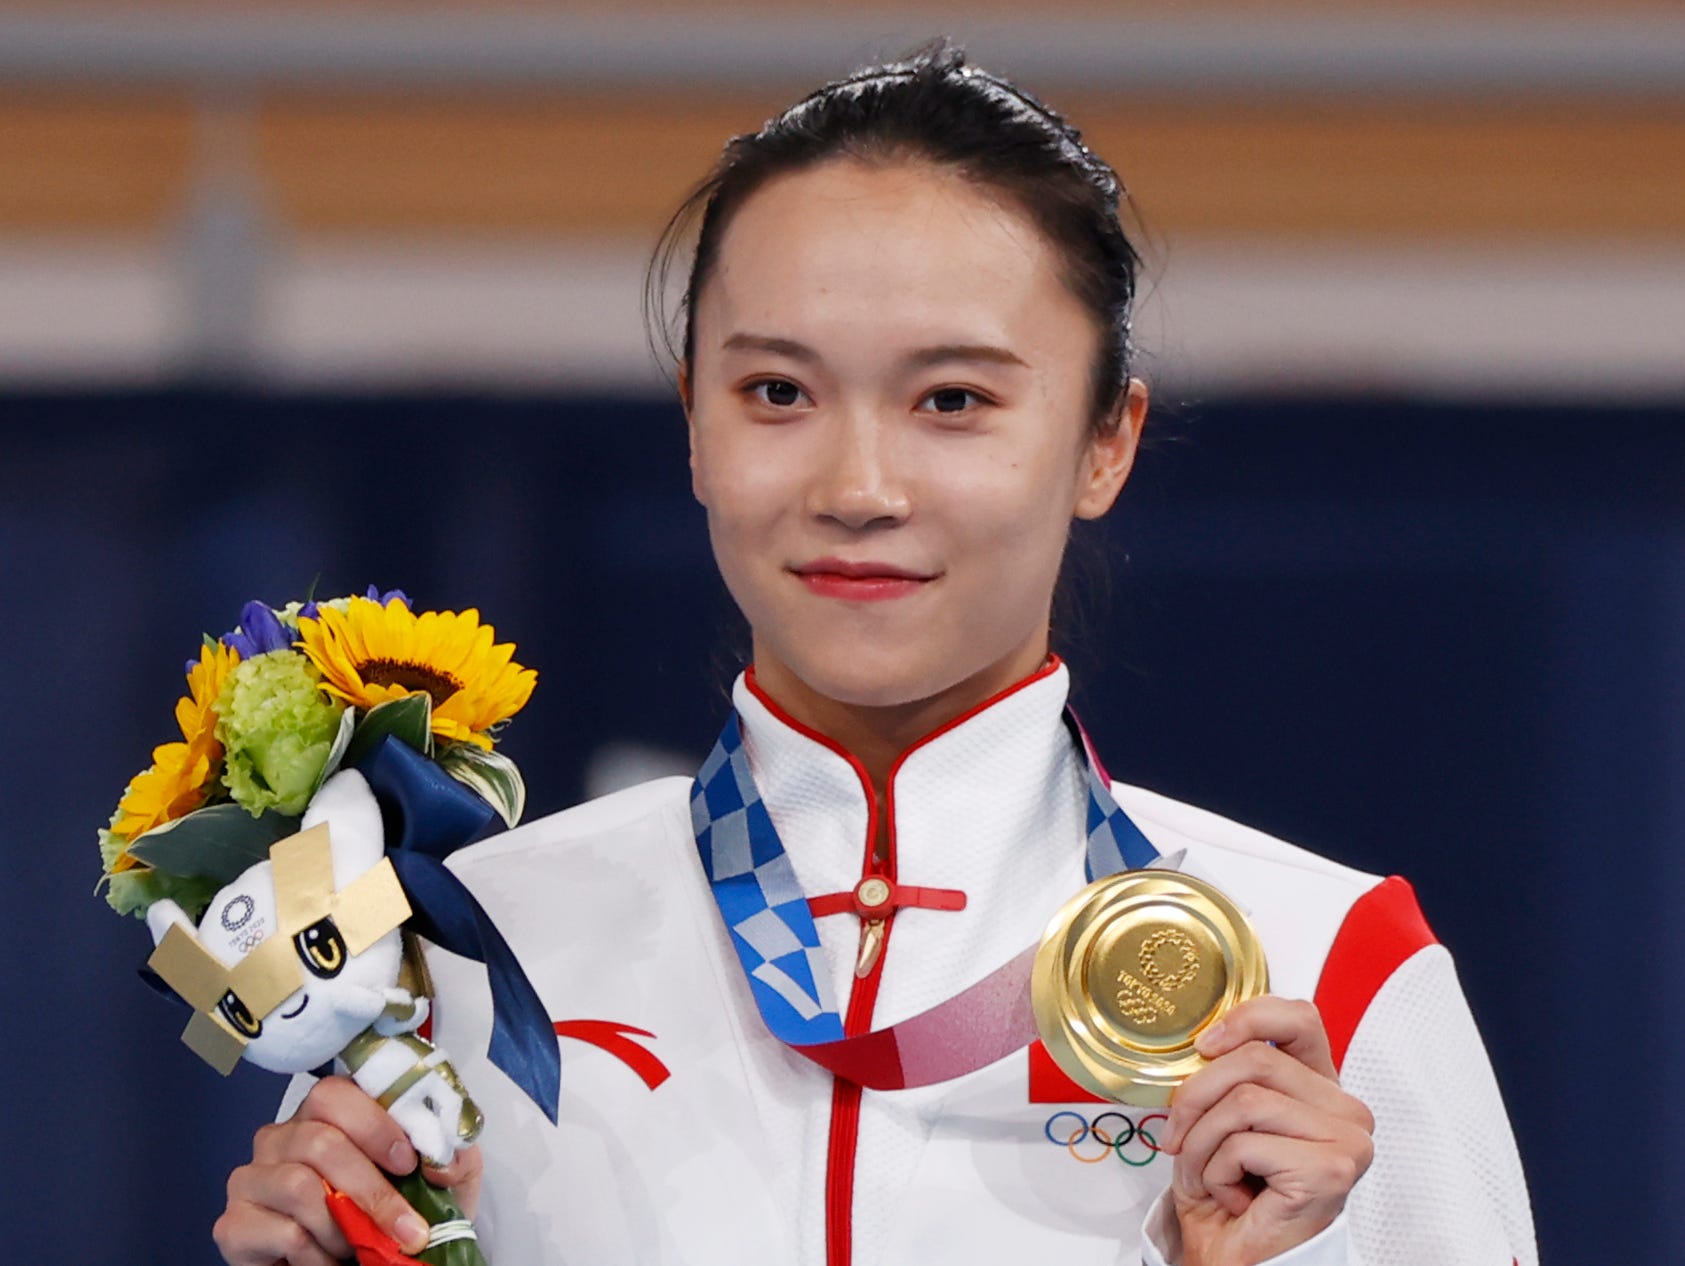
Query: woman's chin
(877, 671)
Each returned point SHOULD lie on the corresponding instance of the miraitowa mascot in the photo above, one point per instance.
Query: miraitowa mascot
(300, 961)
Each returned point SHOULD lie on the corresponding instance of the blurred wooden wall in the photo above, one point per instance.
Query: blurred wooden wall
(592, 170)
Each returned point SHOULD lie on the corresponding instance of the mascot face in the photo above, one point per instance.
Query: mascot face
(296, 956)
(340, 993)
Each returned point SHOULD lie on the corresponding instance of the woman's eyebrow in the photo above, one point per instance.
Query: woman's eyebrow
(922, 358)
(946, 352)
(777, 346)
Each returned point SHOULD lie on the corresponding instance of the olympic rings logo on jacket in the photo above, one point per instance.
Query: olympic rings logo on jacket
(1109, 1133)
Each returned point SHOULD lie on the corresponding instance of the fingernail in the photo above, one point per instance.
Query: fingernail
(1209, 1039)
(401, 1159)
(410, 1232)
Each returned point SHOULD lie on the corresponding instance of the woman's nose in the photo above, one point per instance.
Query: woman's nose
(858, 482)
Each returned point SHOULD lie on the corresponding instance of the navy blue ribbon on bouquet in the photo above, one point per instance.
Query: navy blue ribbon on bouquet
(431, 815)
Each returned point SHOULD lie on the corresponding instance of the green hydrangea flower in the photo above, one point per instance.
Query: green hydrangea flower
(129, 891)
(277, 729)
(132, 891)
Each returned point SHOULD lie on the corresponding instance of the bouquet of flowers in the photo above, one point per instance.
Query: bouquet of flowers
(288, 849)
(277, 705)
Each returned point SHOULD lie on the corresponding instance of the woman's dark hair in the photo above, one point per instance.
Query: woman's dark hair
(935, 108)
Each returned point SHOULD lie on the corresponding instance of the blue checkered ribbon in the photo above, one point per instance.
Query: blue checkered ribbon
(758, 896)
(1114, 841)
(766, 910)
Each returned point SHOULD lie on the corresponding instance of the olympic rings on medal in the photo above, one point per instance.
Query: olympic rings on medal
(1110, 1132)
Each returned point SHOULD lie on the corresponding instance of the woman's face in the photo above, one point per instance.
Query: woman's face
(889, 409)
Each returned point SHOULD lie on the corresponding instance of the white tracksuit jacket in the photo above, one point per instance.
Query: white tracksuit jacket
(733, 1157)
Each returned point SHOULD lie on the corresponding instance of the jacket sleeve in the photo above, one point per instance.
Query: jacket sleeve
(1446, 1184)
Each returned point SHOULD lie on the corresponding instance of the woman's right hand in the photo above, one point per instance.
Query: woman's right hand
(277, 1211)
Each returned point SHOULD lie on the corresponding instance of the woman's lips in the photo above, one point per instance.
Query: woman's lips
(859, 582)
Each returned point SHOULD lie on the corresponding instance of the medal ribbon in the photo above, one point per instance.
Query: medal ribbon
(773, 932)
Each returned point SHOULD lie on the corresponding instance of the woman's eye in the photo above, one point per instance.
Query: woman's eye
(952, 399)
(322, 948)
(239, 1015)
(780, 393)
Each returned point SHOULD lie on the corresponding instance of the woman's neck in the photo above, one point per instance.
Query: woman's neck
(877, 735)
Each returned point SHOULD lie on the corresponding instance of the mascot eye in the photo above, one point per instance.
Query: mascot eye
(235, 1012)
(322, 948)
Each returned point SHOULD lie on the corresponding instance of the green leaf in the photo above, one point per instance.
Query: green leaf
(409, 719)
(217, 843)
(491, 775)
(336, 753)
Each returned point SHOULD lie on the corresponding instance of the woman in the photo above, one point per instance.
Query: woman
(905, 370)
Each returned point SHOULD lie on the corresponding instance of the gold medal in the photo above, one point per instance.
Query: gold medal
(1130, 971)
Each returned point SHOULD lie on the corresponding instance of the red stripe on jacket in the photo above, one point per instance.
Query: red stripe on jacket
(1383, 928)
(844, 1141)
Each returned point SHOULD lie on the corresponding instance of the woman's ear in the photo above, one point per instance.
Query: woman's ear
(1109, 458)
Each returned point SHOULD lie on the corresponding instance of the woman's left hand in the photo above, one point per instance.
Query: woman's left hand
(1266, 1144)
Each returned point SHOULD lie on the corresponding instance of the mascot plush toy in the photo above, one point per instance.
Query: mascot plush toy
(300, 961)
(288, 855)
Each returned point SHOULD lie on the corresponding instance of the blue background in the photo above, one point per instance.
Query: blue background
(1422, 638)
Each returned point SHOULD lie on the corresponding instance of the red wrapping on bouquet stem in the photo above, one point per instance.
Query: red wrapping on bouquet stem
(373, 1246)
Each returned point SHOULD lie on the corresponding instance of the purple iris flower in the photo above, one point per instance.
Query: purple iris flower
(259, 633)
(374, 595)
(308, 610)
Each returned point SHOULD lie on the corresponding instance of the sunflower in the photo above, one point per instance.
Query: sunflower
(182, 773)
(196, 713)
(172, 788)
(370, 654)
